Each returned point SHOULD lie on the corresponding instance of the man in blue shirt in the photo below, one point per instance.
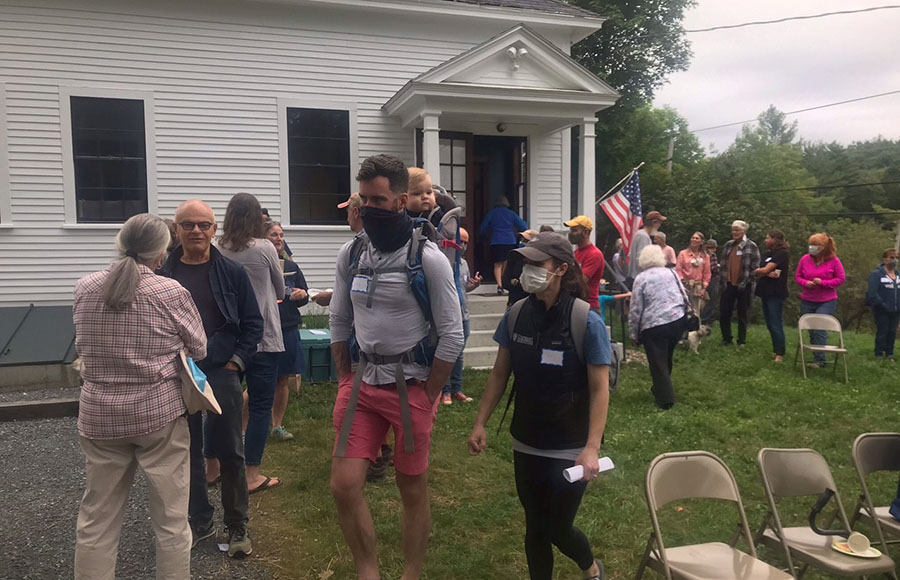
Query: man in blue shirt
(503, 224)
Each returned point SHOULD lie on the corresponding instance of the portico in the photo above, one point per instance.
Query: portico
(515, 84)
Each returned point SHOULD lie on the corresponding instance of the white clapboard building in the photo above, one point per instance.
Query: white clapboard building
(114, 107)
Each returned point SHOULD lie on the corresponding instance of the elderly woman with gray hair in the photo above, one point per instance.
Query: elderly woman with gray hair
(657, 319)
(130, 326)
(738, 264)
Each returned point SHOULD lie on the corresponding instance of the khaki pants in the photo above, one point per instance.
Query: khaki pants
(109, 468)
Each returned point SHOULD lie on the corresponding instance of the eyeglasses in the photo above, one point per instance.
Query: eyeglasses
(189, 226)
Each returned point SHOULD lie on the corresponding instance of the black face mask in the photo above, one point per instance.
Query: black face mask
(388, 230)
(575, 239)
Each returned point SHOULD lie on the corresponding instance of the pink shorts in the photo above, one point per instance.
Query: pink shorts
(377, 409)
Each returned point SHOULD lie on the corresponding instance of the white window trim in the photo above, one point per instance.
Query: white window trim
(68, 156)
(6, 218)
(285, 103)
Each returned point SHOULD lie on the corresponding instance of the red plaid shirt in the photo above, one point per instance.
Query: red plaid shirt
(131, 381)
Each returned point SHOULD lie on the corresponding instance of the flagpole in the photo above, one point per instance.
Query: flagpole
(616, 186)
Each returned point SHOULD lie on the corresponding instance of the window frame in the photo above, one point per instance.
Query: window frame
(285, 103)
(6, 219)
(68, 153)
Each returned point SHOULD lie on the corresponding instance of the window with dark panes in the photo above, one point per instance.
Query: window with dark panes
(110, 156)
(453, 167)
(318, 164)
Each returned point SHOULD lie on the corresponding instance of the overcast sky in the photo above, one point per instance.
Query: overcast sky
(735, 74)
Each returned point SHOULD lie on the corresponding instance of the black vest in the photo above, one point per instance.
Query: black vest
(552, 400)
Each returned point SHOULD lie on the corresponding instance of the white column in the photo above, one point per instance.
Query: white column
(431, 147)
(586, 179)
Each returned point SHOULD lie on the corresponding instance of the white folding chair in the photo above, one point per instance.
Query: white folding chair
(824, 322)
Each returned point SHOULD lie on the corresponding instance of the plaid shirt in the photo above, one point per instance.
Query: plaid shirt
(713, 263)
(130, 357)
(749, 262)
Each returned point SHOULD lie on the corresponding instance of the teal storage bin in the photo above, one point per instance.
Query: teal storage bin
(316, 348)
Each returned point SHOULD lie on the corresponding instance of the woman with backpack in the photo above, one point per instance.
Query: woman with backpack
(560, 358)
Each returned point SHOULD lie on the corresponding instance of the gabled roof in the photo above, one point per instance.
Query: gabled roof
(545, 6)
(518, 73)
(542, 53)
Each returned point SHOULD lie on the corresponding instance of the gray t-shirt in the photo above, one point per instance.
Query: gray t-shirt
(640, 241)
(260, 260)
(394, 323)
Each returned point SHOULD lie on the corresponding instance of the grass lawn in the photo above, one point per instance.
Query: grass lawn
(731, 402)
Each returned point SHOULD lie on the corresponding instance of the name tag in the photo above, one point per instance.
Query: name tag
(360, 284)
(552, 357)
(740, 253)
(768, 259)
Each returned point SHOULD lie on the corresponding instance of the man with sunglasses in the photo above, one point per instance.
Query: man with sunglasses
(234, 326)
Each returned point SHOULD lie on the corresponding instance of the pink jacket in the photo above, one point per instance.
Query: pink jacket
(687, 271)
(831, 272)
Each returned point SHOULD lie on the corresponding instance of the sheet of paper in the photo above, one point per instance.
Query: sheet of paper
(319, 332)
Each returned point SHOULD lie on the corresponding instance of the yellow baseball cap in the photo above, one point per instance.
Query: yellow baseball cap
(580, 220)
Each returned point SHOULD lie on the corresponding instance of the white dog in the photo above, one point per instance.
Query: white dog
(694, 338)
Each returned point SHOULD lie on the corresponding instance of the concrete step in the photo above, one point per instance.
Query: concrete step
(484, 321)
(479, 338)
(487, 304)
(480, 357)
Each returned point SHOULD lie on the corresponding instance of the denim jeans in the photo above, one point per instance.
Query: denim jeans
(819, 337)
(454, 385)
(261, 381)
(885, 331)
(226, 444)
(772, 307)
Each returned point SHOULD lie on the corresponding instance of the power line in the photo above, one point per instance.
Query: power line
(838, 213)
(801, 110)
(790, 18)
(820, 187)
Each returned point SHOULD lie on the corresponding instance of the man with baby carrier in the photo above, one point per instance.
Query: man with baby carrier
(396, 311)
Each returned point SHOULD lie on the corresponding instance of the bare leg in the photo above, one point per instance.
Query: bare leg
(245, 413)
(212, 469)
(281, 400)
(416, 522)
(348, 478)
(498, 273)
(256, 479)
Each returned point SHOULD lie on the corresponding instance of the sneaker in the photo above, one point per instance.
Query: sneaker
(200, 533)
(377, 471)
(281, 434)
(462, 397)
(239, 543)
(447, 399)
(500, 291)
(600, 575)
(726, 343)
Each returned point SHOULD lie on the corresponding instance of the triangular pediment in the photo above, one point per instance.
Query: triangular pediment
(518, 58)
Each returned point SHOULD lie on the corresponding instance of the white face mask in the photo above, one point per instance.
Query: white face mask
(813, 250)
(534, 279)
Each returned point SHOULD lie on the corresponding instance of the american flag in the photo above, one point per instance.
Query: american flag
(624, 210)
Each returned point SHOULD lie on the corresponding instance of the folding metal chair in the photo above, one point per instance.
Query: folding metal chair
(824, 322)
(699, 474)
(876, 452)
(790, 473)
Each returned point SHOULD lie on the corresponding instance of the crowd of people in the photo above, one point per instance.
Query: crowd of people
(718, 285)
(232, 303)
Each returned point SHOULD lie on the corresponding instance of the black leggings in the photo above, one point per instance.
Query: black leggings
(550, 504)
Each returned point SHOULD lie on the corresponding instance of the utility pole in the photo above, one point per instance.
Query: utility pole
(670, 155)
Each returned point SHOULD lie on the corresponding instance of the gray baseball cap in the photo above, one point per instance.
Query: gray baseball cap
(548, 245)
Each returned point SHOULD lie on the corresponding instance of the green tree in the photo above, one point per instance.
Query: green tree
(773, 126)
(639, 45)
